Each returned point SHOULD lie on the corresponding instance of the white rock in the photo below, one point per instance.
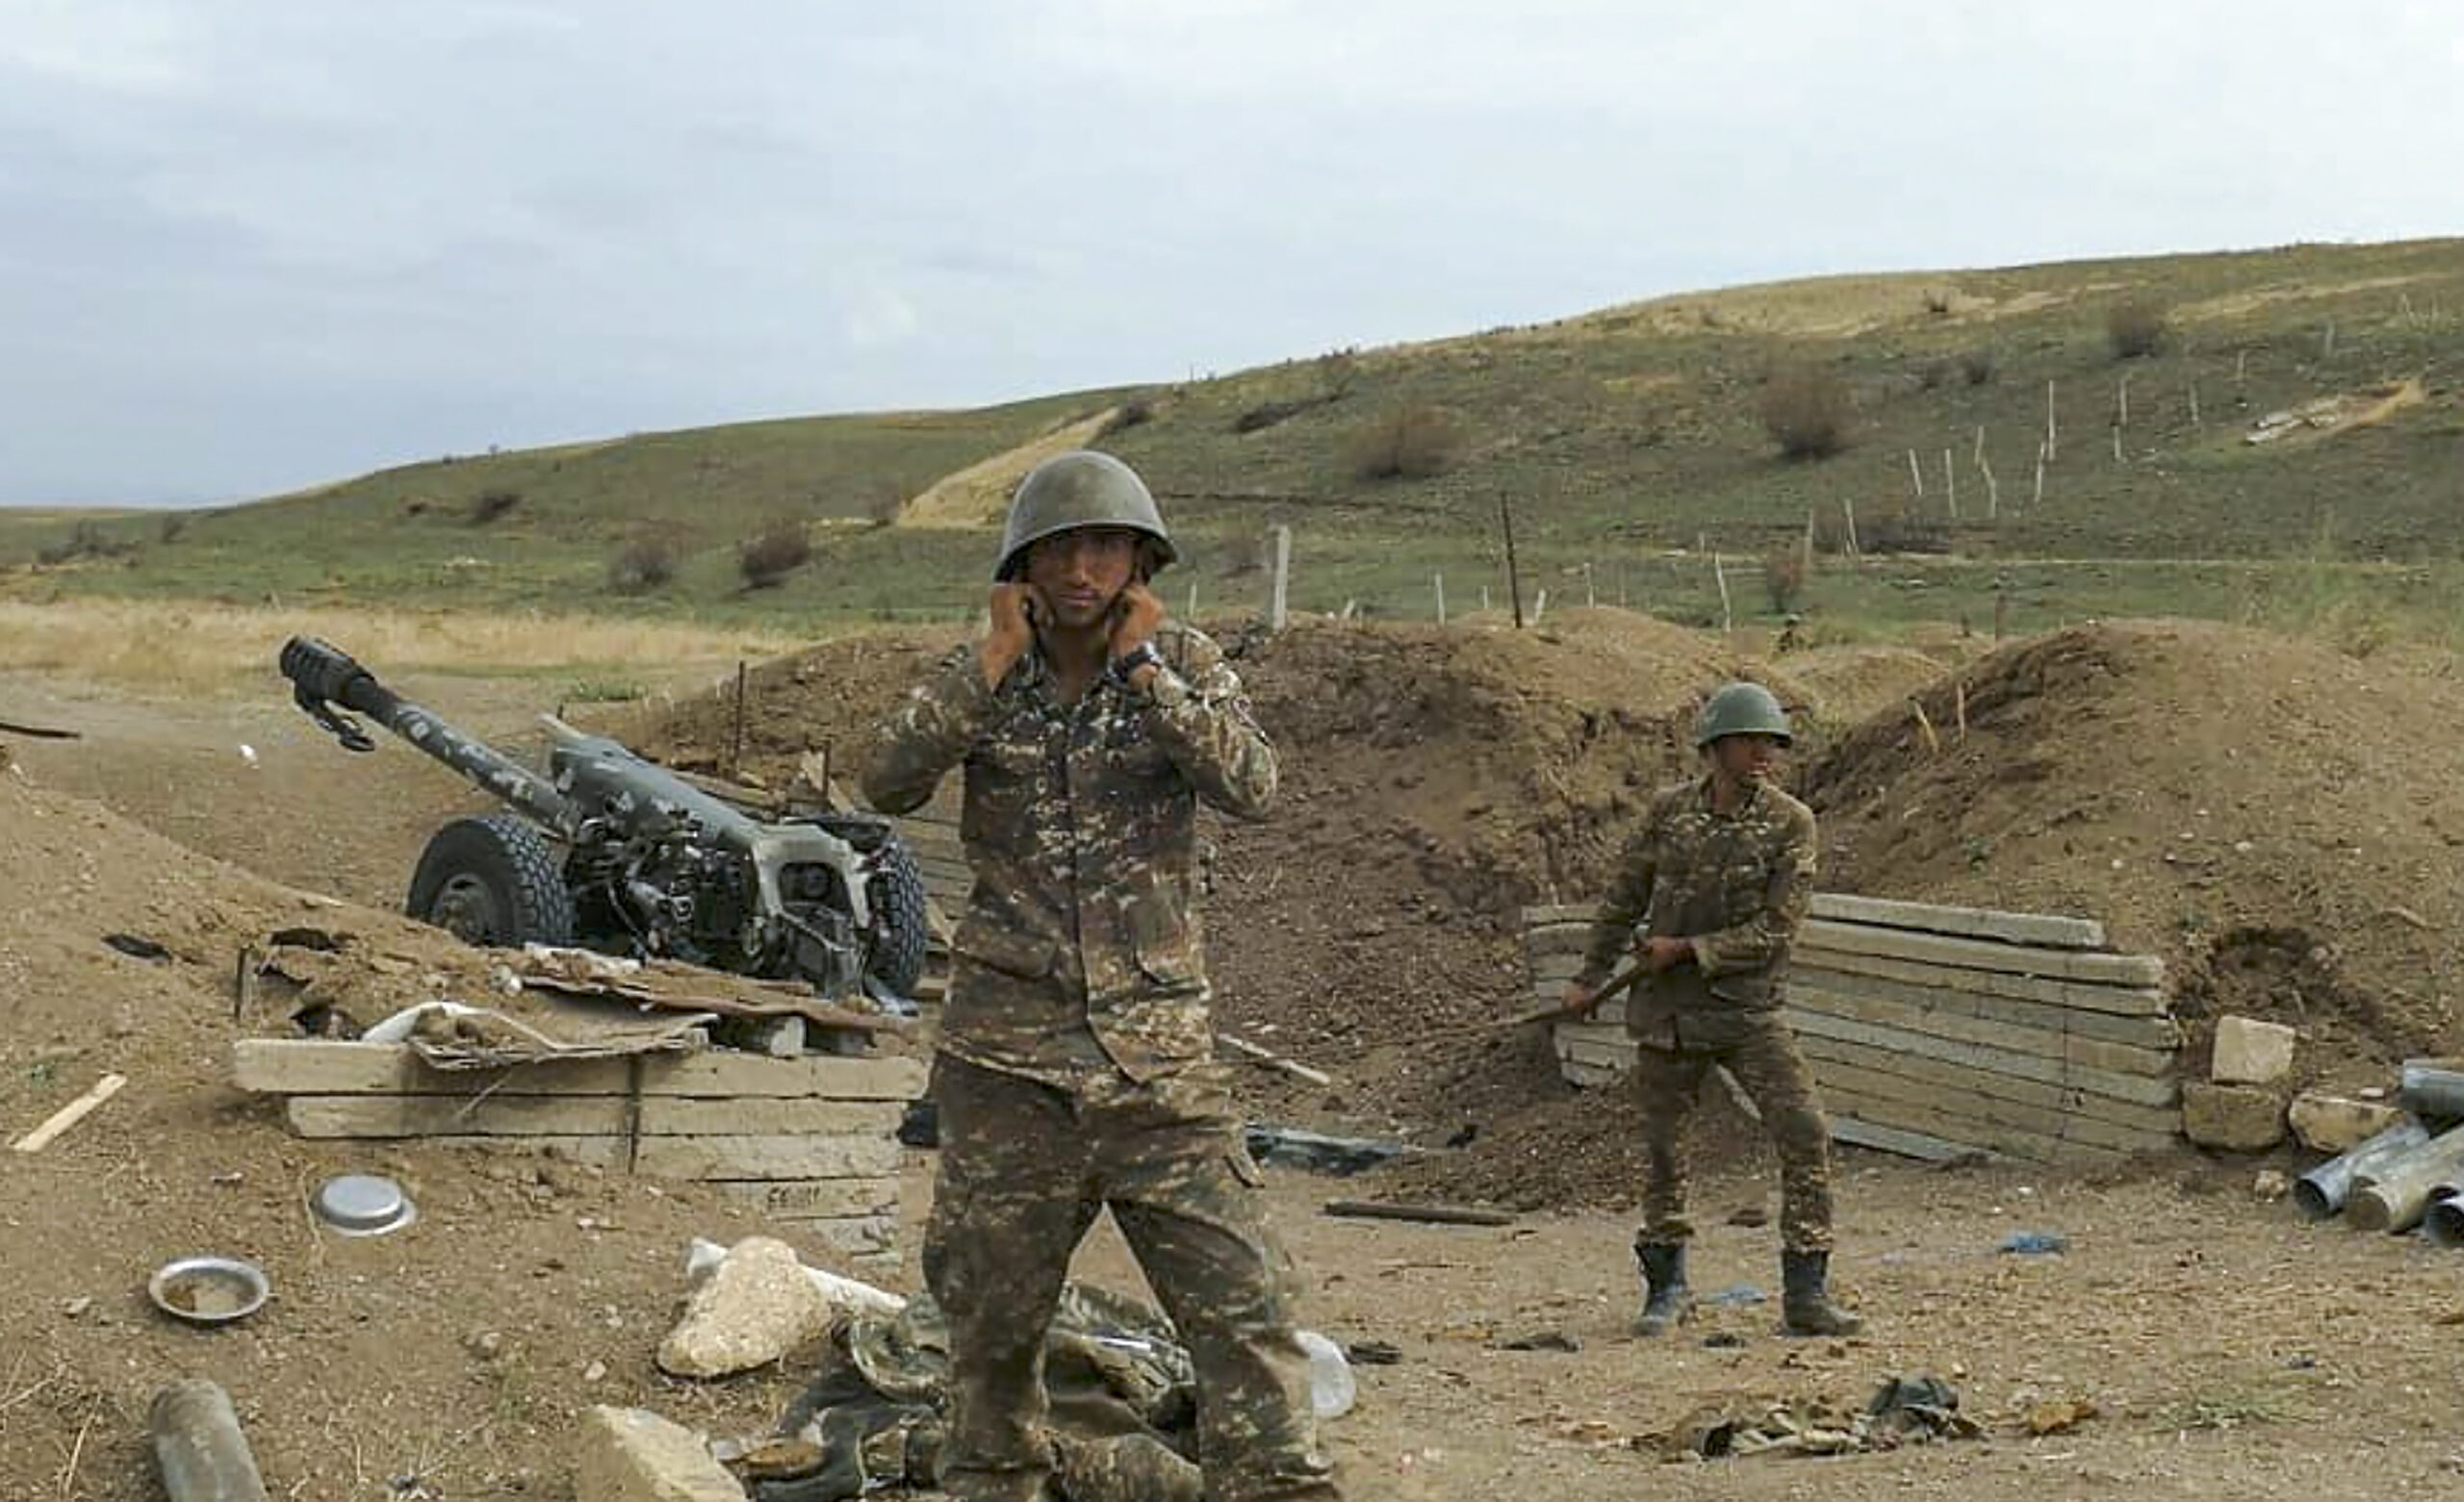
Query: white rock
(629, 1455)
(2334, 1124)
(2250, 1051)
(755, 1308)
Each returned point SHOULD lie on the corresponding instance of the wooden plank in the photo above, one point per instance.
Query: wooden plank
(1975, 922)
(1899, 1140)
(1988, 1109)
(2161, 1034)
(1609, 1056)
(850, 1236)
(2137, 971)
(69, 1115)
(596, 1152)
(1560, 912)
(321, 1066)
(2114, 1069)
(457, 1116)
(746, 1157)
(812, 1199)
(1984, 1135)
(680, 1116)
(1567, 940)
(1591, 1077)
(2162, 1119)
(2118, 1001)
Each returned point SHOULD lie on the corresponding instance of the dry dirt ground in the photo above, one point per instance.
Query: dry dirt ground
(1434, 784)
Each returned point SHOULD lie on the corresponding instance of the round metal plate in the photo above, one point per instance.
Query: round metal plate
(364, 1205)
(208, 1290)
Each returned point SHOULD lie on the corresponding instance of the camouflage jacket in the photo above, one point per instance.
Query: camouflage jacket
(1737, 884)
(1080, 828)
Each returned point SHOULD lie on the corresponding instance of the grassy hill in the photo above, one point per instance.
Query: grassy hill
(1626, 440)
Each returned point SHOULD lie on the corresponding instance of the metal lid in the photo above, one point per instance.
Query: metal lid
(364, 1205)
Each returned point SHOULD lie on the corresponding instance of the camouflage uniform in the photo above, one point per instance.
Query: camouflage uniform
(1076, 1068)
(1738, 885)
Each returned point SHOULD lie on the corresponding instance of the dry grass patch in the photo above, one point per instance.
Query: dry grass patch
(185, 647)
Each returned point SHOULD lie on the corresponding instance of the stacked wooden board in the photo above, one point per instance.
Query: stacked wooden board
(1941, 1030)
(810, 1140)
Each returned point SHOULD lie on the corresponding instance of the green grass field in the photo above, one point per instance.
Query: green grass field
(1628, 440)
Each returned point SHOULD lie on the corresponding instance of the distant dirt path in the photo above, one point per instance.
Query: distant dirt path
(973, 497)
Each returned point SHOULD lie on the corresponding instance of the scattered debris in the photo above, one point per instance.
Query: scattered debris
(1544, 1341)
(1274, 1060)
(2033, 1243)
(1743, 1295)
(1431, 1214)
(2270, 1185)
(1289, 1147)
(1374, 1353)
(1903, 1410)
(136, 947)
(2058, 1416)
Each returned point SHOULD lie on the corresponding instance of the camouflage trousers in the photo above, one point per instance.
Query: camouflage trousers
(1025, 1168)
(1765, 1058)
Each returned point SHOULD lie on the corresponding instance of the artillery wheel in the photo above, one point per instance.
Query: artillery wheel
(492, 880)
(901, 935)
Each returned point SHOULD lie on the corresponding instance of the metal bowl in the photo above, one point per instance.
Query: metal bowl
(209, 1291)
(364, 1205)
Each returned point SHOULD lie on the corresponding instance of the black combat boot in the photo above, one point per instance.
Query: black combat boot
(1665, 1300)
(1805, 1306)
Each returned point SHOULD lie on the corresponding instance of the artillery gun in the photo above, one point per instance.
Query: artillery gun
(616, 854)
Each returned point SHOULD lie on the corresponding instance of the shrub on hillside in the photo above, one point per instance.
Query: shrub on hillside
(2136, 328)
(490, 505)
(1407, 444)
(1806, 411)
(1978, 365)
(1896, 531)
(884, 500)
(647, 563)
(767, 558)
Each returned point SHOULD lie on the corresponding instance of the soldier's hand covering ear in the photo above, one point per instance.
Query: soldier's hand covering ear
(1136, 615)
(1015, 610)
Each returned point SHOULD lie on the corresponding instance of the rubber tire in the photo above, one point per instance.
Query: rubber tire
(896, 890)
(508, 866)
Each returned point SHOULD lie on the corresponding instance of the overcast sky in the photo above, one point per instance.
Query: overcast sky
(250, 244)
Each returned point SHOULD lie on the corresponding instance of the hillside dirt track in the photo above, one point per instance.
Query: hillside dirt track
(1435, 782)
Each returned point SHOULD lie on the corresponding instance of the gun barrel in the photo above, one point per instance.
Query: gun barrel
(323, 672)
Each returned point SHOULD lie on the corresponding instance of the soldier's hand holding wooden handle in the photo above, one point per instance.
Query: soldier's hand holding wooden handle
(1015, 608)
(1578, 998)
(1665, 954)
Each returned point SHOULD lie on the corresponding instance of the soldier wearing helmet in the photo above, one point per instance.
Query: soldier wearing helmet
(1075, 1068)
(1709, 894)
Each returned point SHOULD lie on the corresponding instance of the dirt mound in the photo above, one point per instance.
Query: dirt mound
(116, 955)
(2280, 821)
(1435, 781)
(1847, 685)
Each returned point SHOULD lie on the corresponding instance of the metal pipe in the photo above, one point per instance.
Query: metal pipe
(2433, 1087)
(2444, 1220)
(2322, 1192)
(199, 1448)
(2393, 1196)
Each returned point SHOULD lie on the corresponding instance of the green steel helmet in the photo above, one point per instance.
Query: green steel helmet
(1081, 488)
(1742, 709)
